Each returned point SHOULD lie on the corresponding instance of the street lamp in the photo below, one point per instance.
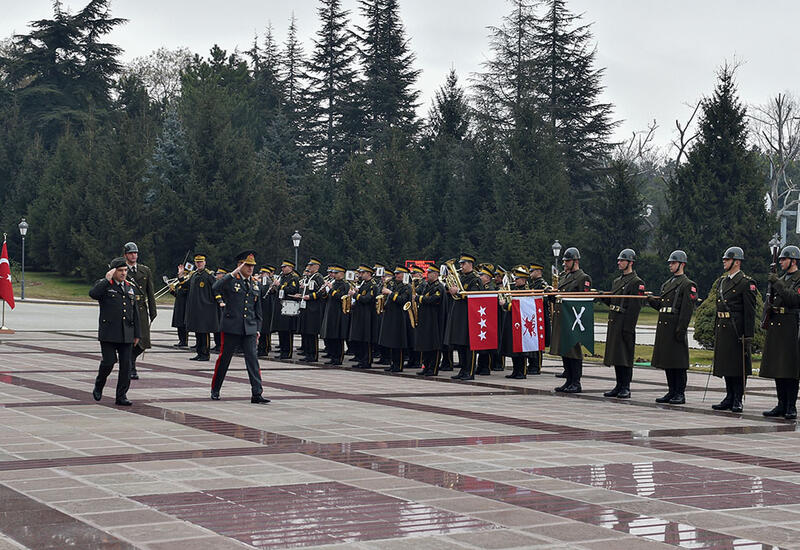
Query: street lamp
(556, 253)
(774, 245)
(296, 242)
(23, 229)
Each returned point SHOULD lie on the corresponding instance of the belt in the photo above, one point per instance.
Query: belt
(665, 310)
(724, 314)
(615, 308)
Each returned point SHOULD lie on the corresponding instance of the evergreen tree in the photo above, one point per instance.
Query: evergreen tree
(716, 198)
(292, 79)
(449, 114)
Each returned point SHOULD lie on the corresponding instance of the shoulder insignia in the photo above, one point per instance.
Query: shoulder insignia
(586, 283)
(753, 287)
(694, 288)
(641, 287)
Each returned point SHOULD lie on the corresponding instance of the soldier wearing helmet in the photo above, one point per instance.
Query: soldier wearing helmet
(140, 276)
(734, 325)
(572, 279)
(623, 315)
(675, 307)
(781, 358)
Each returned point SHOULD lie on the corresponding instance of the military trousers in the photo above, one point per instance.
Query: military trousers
(113, 352)
(229, 344)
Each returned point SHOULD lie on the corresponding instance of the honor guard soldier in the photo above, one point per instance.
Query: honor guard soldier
(335, 322)
(623, 314)
(781, 358)
(119, 328)
(572, 279)
(267, 307)
(675, 307)
(141, 278)
(181, 293)
(393, 335)
(202, 312)
(457, 329)
(734, 326)
(518, 359)
(363, 318)
(313, 299)
(430, 322)
(240, 297)
(284, 317)
(537, 282)
(488, 359)
(218, 274)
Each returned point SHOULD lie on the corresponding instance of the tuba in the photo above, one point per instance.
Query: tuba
(451, 279)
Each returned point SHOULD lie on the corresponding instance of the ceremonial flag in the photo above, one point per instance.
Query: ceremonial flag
(577, 324)
(6, 291)
(482, 319)
(527, 321)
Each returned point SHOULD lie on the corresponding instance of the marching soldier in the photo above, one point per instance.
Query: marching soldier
(671, 349)
(284, 317)
(572, 279)
(364, 318)
(457, 329)
(119, 328)
(202, 312)
(537, 282)
(488, 359)
(781, 358)
(240, 295)
(393, 336)
(335, 323)
(518, 359)
(141, 278)
(430, 322)
(218, 274)
(623, 314)
(733, 329)
(181, 293)
(314, 296)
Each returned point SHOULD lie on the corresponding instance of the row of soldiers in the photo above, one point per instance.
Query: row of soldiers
(344, 314)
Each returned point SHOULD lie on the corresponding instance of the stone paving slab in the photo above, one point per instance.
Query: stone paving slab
(366, 460)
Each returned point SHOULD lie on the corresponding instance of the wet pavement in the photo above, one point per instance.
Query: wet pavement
(367, 460)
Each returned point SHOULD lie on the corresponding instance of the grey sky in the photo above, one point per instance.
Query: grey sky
(659, 54)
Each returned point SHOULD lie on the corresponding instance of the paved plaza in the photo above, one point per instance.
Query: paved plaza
(366, 460)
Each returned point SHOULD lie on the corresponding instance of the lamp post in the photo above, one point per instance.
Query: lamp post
(556, 253)
(296, 242)
(23, 229)
(774, 245)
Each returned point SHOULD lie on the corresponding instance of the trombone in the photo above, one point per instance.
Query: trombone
(170, 284)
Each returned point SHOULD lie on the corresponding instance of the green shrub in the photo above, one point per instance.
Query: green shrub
(704, 321)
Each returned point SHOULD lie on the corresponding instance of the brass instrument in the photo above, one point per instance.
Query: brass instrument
(451, 279)
(411, 307)
(347, 300)
(170, 285)
(380, 300)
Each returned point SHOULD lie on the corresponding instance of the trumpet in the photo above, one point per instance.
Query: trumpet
(170, 285)
(451, 278)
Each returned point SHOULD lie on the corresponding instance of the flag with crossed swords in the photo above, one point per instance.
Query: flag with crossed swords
(577, 323)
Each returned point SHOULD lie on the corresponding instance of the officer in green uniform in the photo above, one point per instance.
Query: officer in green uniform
(675, 307)
(284, 318)
(393, 336)
(518, 359)
(314, 296)
(141, 278)
(430, 321)
(623, 314)
(363, 318)
(781, 358)
(572, 279)
(537, 282)
(733, 329)
(456, 333)
(202, 312)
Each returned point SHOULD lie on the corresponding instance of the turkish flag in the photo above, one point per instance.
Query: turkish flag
(6, 292)
(482, 317)
(527, 324)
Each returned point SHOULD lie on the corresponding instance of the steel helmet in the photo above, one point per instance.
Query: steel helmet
(627, 254)
(677, 256)
(791, 252)
(131, 247)
(733, 253)
(572, 254)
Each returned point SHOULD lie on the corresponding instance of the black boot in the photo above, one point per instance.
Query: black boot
(791, 400)
(725, 404)
(669, 373)
(615, 391)
(625, 385)
(737, 387)
(576, 371)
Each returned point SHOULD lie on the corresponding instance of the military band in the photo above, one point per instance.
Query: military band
(408, 313)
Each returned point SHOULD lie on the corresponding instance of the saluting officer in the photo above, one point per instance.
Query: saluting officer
(393, 336)
(537, 282)
(335, 323)
(202, 312)
(240, 297)
(119, 328)
(623, 314)
(285, 289)
(314, 296)
(675, 307)
(363, 318)
(141, 278)
(456, 333)
(733, 329)
(572, 279)
(430, 322)
(781, 357)
(181, 293)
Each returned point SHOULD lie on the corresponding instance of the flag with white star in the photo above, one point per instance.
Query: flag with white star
(482, 318)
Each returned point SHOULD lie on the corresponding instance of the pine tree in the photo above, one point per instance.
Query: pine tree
(450, 113)
(389, 97)
(716, 198)
(568, 87)
(292, 65)
(332, 87)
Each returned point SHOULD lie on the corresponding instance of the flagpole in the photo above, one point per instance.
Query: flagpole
(564, 294)
(3, 328)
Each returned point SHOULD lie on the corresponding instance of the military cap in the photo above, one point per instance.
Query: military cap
(287, 263)
(199, 257)
(466, 258)
(313, 261)
(434, 268)
(416, 269)
(365, 269)
(221, 270)
(117, 263)
(246, 257)
(520, 272)
(484, 270)
(264, 269)
(535, 266)
(401, 269)
(269, 267)
(336, 268)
